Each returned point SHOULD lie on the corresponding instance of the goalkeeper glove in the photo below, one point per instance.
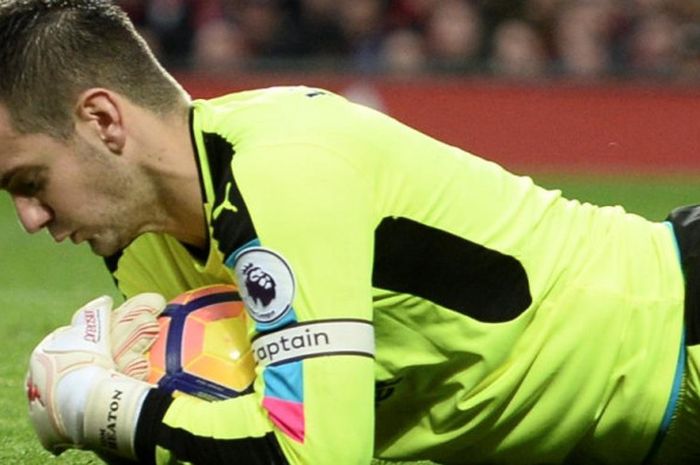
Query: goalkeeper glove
(134, 330)
(76, 398)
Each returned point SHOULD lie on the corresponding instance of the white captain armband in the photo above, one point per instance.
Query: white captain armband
(314, 339)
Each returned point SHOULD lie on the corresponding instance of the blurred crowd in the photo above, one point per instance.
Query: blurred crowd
(519, 39)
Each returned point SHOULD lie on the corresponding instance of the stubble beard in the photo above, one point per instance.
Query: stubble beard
(127, 202)
(121, 213)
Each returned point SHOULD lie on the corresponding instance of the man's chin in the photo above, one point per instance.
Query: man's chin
(106, 248)
(102, 249)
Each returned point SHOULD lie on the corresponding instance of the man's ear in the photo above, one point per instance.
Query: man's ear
(99, 111)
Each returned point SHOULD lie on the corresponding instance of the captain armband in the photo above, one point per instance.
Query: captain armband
(319, 338)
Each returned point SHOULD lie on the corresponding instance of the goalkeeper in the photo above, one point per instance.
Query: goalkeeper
(441, 308)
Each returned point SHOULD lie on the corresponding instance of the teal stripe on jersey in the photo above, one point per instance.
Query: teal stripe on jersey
(672, 401)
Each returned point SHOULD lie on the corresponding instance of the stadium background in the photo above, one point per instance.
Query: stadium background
(598, 98)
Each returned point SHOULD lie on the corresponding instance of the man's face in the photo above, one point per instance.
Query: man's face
(75, 189)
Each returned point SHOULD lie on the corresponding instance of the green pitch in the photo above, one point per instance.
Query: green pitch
(41, 283)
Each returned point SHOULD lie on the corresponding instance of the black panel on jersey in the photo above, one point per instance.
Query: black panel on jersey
(198, 450)
(112, 263)
(686, 225)
(466, 277)
(220, 152)
(113, 260)
(232, 229)
(209, 451)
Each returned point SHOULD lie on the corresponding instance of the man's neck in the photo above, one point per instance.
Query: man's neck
(171, 163)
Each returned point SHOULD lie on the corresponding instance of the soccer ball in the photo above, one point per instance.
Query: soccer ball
(202, 349)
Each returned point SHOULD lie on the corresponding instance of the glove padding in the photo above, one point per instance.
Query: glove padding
(76, 398)
(134, 330)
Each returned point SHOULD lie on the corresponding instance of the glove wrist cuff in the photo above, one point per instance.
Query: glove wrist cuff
(112, 412)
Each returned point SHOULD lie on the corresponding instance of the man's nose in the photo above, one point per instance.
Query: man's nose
(33, 214)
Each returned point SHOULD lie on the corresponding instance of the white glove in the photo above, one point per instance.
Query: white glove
(134, 330)
(76, 398)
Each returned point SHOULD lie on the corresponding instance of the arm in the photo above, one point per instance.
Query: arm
(317, 409)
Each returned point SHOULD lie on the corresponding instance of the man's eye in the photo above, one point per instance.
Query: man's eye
(26, 187)
(25, 182)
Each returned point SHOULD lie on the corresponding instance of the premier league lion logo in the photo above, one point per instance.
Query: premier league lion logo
(260, 285)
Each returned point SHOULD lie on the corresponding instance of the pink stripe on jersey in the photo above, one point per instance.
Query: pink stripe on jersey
(288, 416)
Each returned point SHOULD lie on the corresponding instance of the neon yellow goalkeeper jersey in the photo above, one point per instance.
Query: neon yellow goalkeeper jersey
(411, 301)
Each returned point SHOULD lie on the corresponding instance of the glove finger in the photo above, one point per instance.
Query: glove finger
(134, 324)
(133, 337)
(135, 329)
(89, 329)
(136, 367)
(147, 301)
(95, 305)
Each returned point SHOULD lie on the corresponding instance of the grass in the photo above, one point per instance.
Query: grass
(650, 196)
(41, 283)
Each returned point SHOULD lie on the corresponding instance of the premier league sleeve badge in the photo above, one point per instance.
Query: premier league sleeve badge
(266, 283)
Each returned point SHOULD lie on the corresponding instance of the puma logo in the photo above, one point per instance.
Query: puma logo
(226, 204)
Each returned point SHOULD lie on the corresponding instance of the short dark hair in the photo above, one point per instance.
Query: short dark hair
(52, 50)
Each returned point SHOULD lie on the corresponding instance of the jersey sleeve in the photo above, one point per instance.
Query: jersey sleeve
(306, 279)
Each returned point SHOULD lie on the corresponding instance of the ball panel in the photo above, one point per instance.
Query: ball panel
(203, 349)
(222, 339)
(192, 340)
(219, 310)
